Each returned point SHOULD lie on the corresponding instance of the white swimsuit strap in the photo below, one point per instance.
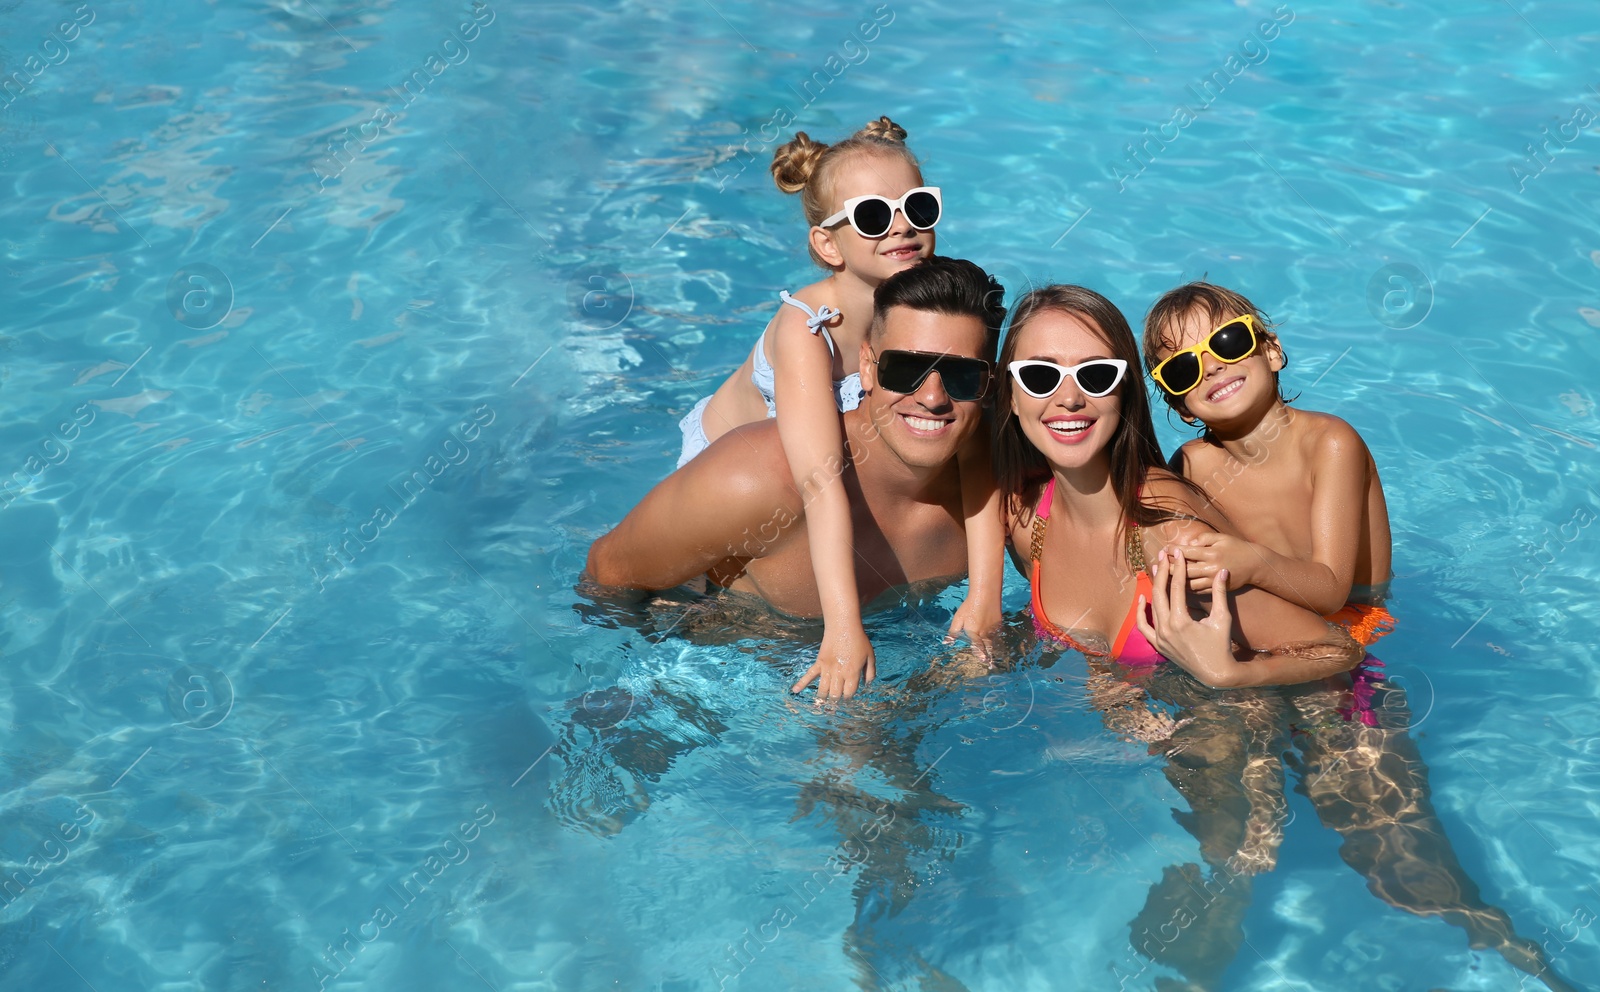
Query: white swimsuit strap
(814, 318)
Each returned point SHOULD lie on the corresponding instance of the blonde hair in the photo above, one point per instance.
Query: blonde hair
(807, 167)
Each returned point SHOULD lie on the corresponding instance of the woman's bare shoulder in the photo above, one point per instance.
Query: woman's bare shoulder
(1163, 487)
(1020, 512)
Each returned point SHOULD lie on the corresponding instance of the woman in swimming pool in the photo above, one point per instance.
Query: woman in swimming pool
(1086, 497)
(1080, 471)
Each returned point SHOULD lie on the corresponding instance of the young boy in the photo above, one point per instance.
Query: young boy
(1301, 486)
(1303, 491)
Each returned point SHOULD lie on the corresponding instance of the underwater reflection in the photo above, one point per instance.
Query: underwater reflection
(875, 784)
(1228, 755)
(867, 774)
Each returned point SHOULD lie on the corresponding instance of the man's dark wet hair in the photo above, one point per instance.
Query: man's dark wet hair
(951, 286)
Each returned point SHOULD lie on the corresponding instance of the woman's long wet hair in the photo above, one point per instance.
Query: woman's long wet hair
(1019, 468)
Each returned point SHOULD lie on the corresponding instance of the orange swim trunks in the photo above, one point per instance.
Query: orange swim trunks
(1366, 623)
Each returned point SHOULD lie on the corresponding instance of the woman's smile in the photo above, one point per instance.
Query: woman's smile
(1070, 429)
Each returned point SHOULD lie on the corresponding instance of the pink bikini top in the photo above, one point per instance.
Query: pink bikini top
(1131, 647)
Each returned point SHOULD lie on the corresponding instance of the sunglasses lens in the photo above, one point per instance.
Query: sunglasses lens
(903, 371)
(963, 378)
(872, 217)
(1098, 378)
(1233, 341)
(1039, 380)
(1180, 373)
(922, 210)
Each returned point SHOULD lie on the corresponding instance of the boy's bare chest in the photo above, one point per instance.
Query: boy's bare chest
(1267, 498)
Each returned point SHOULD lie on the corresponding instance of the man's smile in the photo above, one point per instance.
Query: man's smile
(926, 426)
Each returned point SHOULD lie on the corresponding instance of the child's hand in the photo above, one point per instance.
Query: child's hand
(1210, 553)
(1201, 647)
(845, 655)
(978, 620)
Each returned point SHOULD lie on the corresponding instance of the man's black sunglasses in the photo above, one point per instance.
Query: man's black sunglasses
(964, 379)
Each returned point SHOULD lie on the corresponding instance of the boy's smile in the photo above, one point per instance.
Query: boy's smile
(1227, 387)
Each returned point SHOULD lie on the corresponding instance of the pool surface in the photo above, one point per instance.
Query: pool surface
(333, 334)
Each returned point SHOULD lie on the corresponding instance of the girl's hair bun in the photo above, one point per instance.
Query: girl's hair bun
(883, 129)
(794, 163)
(806, 167)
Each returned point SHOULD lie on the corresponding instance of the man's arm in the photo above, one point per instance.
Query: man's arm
(733, 500)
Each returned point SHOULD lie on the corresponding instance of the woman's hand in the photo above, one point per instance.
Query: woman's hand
(978, 620)
(1211, 552)
(1204, 647)
(845, 656)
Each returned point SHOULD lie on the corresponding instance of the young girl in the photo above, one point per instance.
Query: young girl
(870, 216)
(1300, 486)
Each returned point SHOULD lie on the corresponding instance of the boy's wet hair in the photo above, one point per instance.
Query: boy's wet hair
(951, 286)
(1220, 305)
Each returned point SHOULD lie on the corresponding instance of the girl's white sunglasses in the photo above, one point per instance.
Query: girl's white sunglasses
(873, 215)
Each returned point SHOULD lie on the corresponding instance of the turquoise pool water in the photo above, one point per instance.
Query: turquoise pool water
(335, 332)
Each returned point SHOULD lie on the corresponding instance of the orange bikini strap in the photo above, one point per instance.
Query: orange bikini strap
(1135, 542)
(1041, 523)
(1041, 520)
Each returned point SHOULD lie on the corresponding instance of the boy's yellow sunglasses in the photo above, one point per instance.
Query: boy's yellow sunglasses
(1232, 342)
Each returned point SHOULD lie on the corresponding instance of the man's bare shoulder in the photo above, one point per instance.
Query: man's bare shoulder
(700, 514)
(745, 464)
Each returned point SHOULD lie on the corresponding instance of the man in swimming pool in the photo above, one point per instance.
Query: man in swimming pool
(734, 514)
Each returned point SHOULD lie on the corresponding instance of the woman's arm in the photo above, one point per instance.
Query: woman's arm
(1296, 645)
(813, 444)
(1017, 523)
(1285, 644)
